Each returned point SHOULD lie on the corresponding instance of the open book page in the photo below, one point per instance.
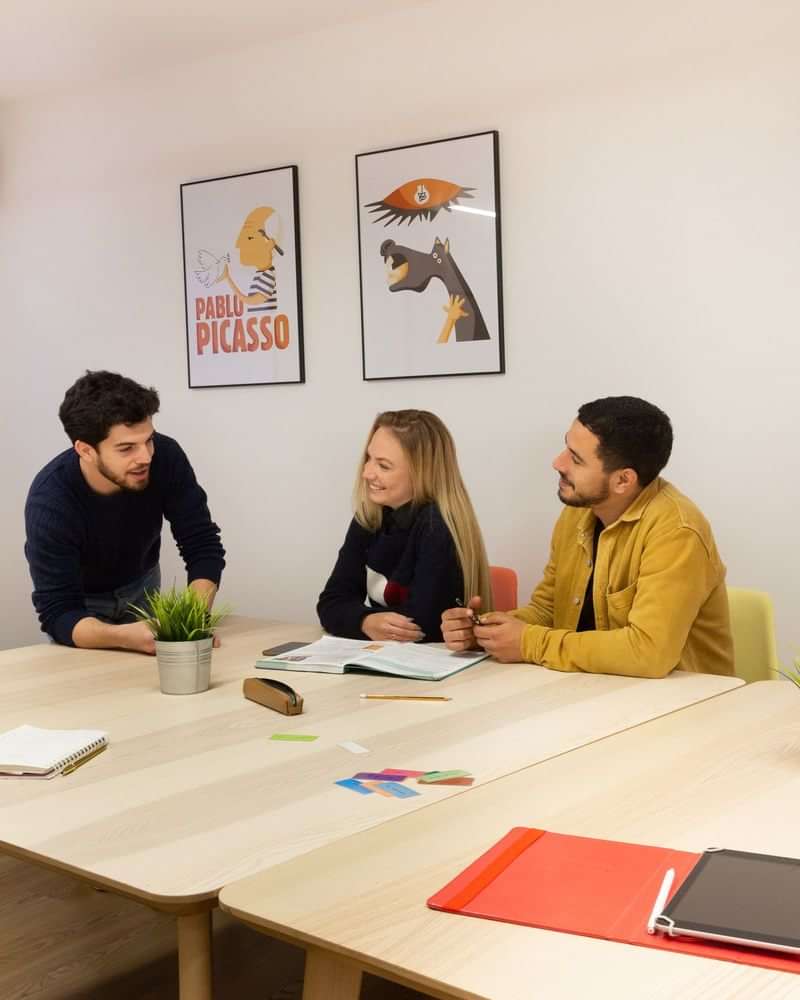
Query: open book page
(400, 659)
(422, 662)
(328, 652)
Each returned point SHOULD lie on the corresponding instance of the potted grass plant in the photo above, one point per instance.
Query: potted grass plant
(183, 627)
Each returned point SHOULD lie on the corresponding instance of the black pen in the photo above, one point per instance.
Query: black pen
(476, 618)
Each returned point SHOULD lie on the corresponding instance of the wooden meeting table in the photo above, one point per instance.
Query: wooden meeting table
(192, 794)
(723, 773)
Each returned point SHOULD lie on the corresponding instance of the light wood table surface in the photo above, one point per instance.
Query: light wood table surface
(722, 773)
(192, 794)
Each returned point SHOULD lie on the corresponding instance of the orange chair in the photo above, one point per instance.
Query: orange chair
(504, 588)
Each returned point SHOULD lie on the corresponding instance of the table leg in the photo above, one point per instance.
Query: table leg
(194, 956)
(329, 977)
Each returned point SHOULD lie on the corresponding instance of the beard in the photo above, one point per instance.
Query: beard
(576, 499)
(123, 482)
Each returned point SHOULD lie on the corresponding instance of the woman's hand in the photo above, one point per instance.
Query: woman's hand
(388, 625)
(458, 625)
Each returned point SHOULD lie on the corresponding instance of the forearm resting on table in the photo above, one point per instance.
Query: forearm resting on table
(91, 633)
(628, 651)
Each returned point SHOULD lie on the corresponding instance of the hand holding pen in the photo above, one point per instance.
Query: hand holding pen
(472, 606)
(458, 624)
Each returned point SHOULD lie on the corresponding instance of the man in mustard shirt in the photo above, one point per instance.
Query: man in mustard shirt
(634, 584)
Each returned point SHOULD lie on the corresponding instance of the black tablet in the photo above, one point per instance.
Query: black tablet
(740, 898)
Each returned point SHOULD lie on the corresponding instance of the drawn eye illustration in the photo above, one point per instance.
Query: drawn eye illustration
(422, 198)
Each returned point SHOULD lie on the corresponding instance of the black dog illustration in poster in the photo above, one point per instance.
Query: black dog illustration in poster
(412, 270)
(409, 269)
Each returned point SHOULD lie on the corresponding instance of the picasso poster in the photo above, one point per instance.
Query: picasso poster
(429, 244)
(241, 262)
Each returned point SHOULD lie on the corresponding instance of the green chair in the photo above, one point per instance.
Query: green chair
(753, 627)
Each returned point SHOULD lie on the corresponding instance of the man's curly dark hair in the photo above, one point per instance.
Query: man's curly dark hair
(633, 434)
(98, 400)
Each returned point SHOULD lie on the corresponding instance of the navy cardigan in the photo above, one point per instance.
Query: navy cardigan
(409, 566)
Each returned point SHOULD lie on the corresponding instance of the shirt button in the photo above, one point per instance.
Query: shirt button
(588, 562)
(576, 600)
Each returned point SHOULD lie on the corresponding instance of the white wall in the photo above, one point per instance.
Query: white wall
(649, 187)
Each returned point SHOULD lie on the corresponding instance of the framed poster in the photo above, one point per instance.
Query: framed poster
(241, 266)
(429, 255)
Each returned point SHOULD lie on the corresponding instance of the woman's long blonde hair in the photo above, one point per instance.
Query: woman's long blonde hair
(435, 477)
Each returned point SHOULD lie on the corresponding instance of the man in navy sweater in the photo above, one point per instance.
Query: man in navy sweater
(94, 513)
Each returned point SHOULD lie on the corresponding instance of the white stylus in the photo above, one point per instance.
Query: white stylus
(661, 898)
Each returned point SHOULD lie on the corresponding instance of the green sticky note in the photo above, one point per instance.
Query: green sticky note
(294, 737)
(433, 776)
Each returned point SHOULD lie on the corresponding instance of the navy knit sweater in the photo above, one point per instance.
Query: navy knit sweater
(408, 566)
(81, 542)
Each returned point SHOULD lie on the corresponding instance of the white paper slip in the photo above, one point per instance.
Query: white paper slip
(352, 747)
(43, 753)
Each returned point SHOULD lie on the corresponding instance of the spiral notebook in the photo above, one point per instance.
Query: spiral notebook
(30, 752)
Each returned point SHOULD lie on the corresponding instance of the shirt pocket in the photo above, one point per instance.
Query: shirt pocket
(619, 606)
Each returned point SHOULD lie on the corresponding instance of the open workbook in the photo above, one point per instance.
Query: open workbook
(30, 752)
(330, 655)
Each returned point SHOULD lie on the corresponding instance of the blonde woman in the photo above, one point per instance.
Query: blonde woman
(414, 546)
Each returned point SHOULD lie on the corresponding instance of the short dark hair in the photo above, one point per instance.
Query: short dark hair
(98, 400)
(633, 434)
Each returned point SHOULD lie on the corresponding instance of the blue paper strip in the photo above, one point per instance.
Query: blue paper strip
(396, 789)
(356, 786)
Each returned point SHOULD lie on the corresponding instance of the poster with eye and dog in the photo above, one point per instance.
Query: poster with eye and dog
(429, 242)
(241, 257)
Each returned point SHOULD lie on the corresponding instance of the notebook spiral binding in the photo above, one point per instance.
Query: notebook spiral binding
(84, 752)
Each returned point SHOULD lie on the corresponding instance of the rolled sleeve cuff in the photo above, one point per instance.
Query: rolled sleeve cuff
(535, 640)
(206, 569)
(61, 629)
(529, 641)
(345, 622)
(358, 616)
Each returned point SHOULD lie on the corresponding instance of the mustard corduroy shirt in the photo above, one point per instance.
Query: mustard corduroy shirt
(659, 593)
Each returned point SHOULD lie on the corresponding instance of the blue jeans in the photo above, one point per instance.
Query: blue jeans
(112, 606)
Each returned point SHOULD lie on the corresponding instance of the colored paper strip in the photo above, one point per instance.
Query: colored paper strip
(375, 776)
(448, 781)
(375, 786)
(433, 776)
(354, 786)
(399, 791)
(294, 737)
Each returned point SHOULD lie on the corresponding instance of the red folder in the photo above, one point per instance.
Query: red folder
(577, 885)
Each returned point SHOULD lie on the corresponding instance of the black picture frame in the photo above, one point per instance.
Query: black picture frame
(233, 337)
(445, 194)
